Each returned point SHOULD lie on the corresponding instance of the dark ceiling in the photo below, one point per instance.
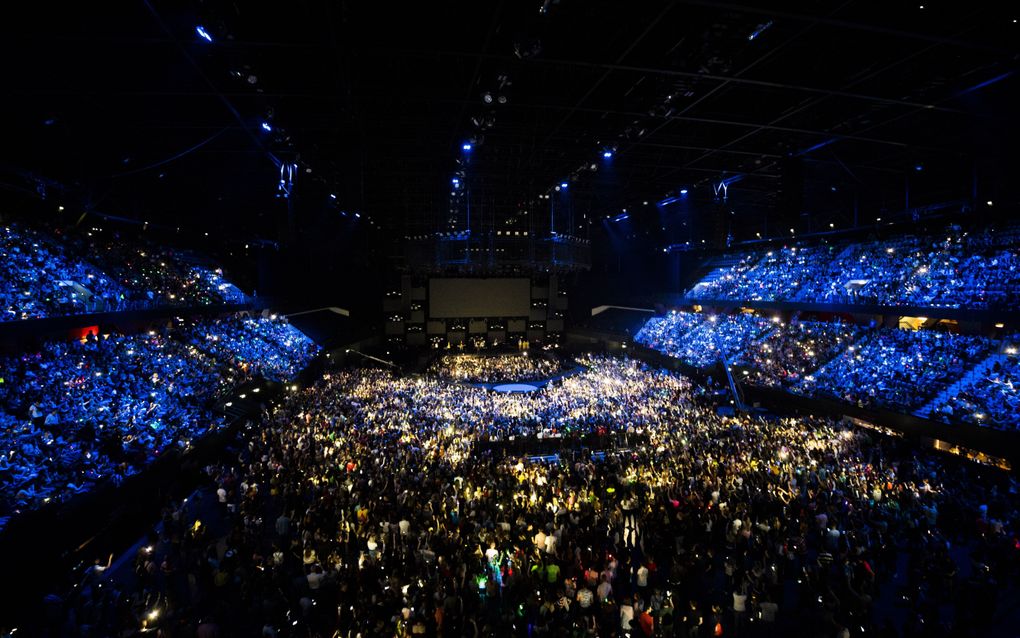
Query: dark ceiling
(849, 104)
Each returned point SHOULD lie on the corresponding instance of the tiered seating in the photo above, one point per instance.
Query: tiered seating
(664, 333)
(265, 347)
(897, 369)
(699, 340)
(991, 398)
(39, 278)
(100, 410)
(64, 273)
(784, 355)
(74, 414)
(955, 271)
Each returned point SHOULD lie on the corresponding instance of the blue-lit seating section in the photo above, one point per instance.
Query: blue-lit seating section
(272, 349)
(73, 414)
(898, 369)
(989, 397)
(789, 352)
(38, 278)
(938, 375)
(954, 270)
(50, 275)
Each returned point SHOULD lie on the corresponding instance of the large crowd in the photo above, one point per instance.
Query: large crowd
(990, 399)
(268, 347)
(958, 270)
(74, 414)
(898, 369)
(788, 353)
(367, 506)
(480, 368)
(65, 272)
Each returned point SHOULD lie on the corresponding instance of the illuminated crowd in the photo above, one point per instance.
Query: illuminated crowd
(990, 398)
(954, 270)
(368, 506)
(268, 347)
(76, 414)
(56, 273)
(897, 369)
(495, 368)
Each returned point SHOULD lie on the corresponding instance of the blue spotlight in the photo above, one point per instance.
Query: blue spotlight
(456, 182)
(683, 191)
(919, 168)
(466, 146)
(563, 185)
(357, 215)
(267, 127)
(332, 195)
(202, 33)
(607, 154)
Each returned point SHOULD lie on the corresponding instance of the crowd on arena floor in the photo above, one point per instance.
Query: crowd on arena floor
(74, 414)
(481, 368)
(959, 270)
(364, 506)
(50, 274)
(898, 369)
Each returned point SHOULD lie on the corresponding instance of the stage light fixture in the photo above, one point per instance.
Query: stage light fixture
(487, 97)
(466, 146)
(202, 33)
(267, 127)
(683, 191)
(607, 154)
(563, 185)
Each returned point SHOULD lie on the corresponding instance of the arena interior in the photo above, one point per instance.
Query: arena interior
(334, 319)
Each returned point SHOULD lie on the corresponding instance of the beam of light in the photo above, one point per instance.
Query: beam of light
(981, 85)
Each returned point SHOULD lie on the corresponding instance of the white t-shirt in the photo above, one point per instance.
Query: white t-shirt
(739, 602)
(626, 615)
(540, 539)
(642, 576)
(550, 544)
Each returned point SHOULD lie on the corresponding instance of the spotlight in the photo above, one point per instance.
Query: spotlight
(267, 127)
(332, 195)
(563, 185)
(607, 154)
(487, 97)
(202, 33)
(501, 99)
(466, 146)
(683, 191)
(456, 181)
(557, 190)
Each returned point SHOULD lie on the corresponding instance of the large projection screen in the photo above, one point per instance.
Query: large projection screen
(452, 298)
